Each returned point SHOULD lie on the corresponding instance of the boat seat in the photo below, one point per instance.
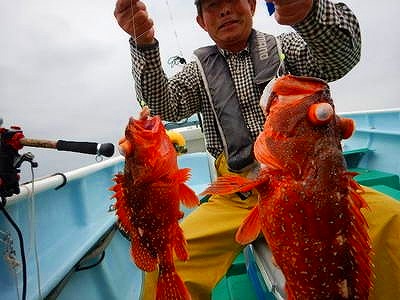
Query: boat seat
(394, 193)
(368, 177)
(374, 177)
(236, 284)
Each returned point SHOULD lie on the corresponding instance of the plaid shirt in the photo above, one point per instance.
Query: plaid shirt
(327, 44)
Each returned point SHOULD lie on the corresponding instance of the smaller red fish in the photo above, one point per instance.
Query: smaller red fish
(148, 196)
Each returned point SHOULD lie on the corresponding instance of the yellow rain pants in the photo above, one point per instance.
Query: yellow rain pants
(383, 217)
(210, 233)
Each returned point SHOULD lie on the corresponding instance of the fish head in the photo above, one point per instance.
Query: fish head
(300, 123)
(147, 148)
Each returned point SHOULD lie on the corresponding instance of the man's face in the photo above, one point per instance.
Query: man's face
(228, 22)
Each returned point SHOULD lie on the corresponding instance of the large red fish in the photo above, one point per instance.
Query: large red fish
(309, 204)
(148, 196)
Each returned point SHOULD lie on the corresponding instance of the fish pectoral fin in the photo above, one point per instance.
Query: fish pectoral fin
(347, 127)
(188, 196)
(182, 175)
(250, 227)
(230, 184)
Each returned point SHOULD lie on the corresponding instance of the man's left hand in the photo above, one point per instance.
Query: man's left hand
(291, 12)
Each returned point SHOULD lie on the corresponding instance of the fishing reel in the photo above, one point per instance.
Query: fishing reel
(11, 160)
(12, 140)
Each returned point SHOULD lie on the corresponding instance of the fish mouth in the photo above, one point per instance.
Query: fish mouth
(149, 124)
(143, 130)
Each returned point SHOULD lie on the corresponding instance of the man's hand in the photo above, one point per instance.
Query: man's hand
(291, 12)
(133, 18)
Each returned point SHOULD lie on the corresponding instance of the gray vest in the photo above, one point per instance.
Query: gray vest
(235, 136)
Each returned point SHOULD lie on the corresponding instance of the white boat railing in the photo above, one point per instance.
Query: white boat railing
(57, 180)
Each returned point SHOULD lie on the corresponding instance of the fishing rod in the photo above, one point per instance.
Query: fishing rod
(13, 139)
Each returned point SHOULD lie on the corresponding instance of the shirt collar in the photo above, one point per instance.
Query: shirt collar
(227, 54)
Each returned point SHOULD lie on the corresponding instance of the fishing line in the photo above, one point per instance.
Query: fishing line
(133, 25)
(175, 60)
(174, 28)
(135, 38)
(32, 222)
(142, 103)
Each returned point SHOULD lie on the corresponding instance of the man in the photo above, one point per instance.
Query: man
(225, 83)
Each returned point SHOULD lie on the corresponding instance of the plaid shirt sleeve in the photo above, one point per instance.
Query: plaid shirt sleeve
(173, 99)
(330, 43)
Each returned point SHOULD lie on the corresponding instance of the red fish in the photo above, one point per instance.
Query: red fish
(148, 195)
(309, 204)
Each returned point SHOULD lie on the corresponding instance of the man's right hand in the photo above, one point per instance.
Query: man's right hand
(133, 18)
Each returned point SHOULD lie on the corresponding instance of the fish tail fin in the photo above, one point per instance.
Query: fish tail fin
(187, 195)
(230, 184)
(250, 227)
(180, 244)
(170, 286)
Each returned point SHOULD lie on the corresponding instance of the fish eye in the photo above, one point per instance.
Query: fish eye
(320, 113)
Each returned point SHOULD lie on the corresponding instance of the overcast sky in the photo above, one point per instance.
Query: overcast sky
(65, 67)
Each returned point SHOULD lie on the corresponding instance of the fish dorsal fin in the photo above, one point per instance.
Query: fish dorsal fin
(250, 228)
